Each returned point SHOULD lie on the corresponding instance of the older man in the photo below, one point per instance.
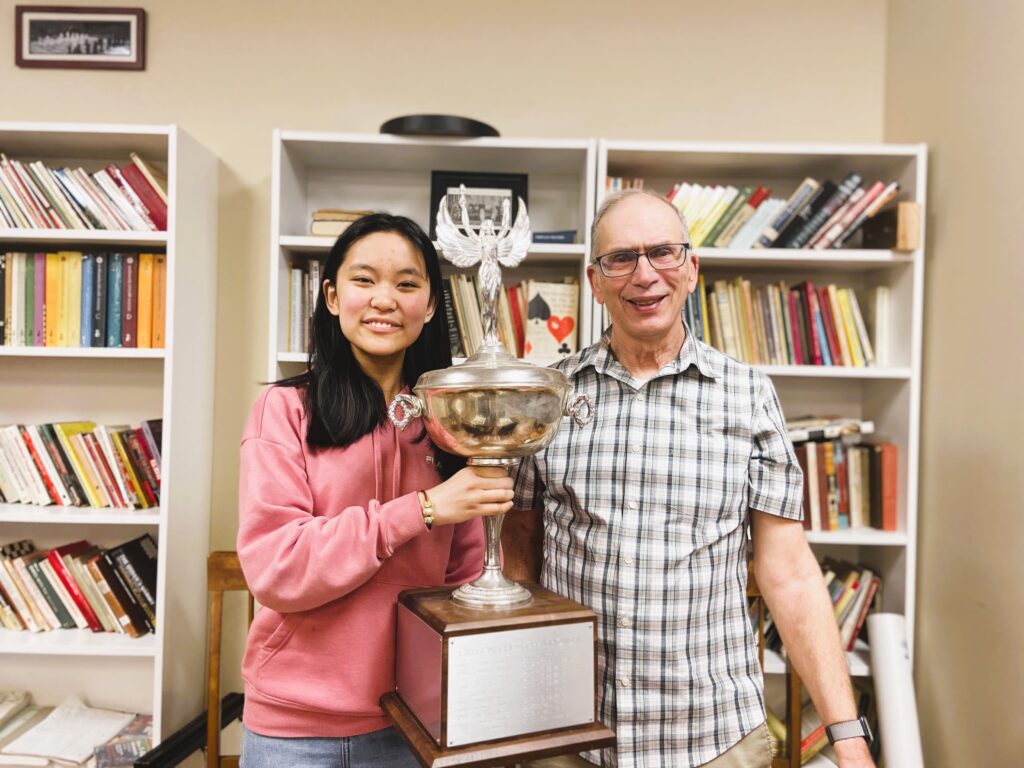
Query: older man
(646, 512)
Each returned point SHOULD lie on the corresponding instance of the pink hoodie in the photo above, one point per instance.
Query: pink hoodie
(327, 540)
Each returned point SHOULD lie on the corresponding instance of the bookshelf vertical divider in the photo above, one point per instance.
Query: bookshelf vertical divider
(161, 673)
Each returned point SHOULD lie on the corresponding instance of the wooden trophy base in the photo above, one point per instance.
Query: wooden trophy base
(495, 687)
(496, 753)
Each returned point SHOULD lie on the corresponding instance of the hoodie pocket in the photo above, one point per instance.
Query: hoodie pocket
(282, 632)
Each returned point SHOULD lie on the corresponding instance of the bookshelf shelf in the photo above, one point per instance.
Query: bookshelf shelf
(52, 237)
(801, 260)
(313, 170)
(539, 252)
(76, 642)
(858, 660)
(834, 372)
(158, 674)
(856, 537)
(102, 353)
(27, 513)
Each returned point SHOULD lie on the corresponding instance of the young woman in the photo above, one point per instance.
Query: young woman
(332, 526)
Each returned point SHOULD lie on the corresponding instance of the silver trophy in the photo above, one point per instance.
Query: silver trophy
(493, 408)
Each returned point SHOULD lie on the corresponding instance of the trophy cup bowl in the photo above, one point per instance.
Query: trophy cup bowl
(492, 409)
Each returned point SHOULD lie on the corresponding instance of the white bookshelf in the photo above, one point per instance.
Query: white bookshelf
(890, 394)
(161, 673)
(391, 173)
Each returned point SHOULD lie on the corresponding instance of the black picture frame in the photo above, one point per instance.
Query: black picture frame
(78, 37)
(479, 187)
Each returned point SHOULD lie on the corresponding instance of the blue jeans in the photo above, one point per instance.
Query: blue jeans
(369, 750)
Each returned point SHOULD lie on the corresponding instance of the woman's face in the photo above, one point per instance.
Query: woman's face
(381, 297)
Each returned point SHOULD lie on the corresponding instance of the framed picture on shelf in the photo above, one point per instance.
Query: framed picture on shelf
(484, 195)
(73, 37)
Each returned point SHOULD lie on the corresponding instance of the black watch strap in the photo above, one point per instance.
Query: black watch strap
(849, 729)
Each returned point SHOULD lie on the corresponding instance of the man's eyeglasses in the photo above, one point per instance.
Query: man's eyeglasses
(622, 263)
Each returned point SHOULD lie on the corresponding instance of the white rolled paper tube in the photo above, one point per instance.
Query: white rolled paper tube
(894, 691)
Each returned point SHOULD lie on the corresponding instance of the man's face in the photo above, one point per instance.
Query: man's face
(645, 306)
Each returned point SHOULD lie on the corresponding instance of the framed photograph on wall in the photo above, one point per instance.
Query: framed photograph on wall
(484, 195)
(73, 37)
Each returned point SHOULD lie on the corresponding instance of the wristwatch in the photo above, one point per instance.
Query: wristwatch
(849, 729)
(427, 507)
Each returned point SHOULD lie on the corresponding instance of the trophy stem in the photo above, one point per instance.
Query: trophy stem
(492, 589)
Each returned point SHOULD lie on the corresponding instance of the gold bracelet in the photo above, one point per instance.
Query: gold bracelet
(427, 508)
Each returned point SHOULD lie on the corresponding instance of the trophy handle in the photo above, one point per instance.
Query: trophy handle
(581, 409)
(411, 407)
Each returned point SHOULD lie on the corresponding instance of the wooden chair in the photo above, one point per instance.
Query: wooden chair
(223, 574)
(790, 757)
(522, 547)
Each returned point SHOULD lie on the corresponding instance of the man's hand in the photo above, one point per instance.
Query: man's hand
(853, 753)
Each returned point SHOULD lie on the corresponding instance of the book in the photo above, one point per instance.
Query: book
(897, 228)
(159, 300)
(339, 214)
(884, 474)
(818, 428)
(328, 228)
(835, 201)
(551, 320)
(115, 286)
(562, 236)
(156, 178)
(796, 202)
(144, 313)
(136, 561)
(99, 301)
(822, 195)
(883, 198)
(129, 301)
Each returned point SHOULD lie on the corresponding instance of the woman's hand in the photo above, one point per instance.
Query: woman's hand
(471, 492)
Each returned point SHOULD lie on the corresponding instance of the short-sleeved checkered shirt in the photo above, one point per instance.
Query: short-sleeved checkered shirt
(645, 521)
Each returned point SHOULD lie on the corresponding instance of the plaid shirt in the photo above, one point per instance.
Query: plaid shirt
(645, 522)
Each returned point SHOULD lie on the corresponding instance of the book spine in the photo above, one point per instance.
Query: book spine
(159, 300)
(39, 303)
(119, 586)
(55, 557)
(129, 301)
(796, 223)
(823, 214)
(793, 206)
(88, 285)
(144, 335)
(134, 581)
(144, 470)
(115, 280)
(111, 599)
(64, 619)
(67, 476)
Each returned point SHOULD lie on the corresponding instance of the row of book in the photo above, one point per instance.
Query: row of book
(79, 586)
(817, 215)
(849, 486)
(803, 325)
(535, 319)
(74, 299)
(854, 590)
(331, 222)
(70, 734)
(813, 739)
(131, 197)
(81, 464)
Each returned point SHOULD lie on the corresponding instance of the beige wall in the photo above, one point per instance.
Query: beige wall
(955, 80)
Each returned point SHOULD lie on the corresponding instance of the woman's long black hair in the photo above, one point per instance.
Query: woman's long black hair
(342, 403)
